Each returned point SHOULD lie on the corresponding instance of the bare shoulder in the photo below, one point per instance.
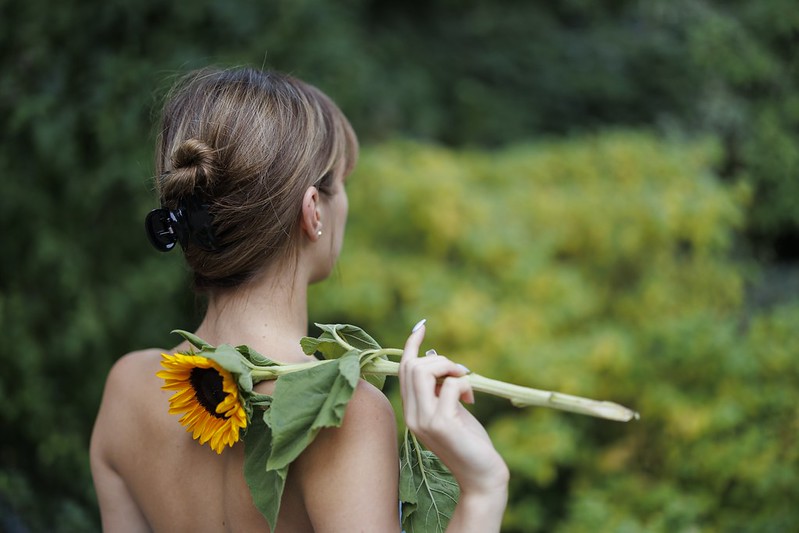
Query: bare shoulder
(132, 366)
(352, 471)
(369, 427)
(368, 406)
(130, 384)
(130, 388)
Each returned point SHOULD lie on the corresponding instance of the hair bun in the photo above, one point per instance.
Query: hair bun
(194, 170)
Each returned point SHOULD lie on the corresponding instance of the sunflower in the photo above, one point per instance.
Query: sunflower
(207, 396)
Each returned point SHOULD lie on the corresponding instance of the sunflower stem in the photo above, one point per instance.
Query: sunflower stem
(265, 373)
(518, 395)
(524, 396)
(373, 363)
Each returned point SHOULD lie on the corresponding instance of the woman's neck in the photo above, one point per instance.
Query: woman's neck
(270, 315)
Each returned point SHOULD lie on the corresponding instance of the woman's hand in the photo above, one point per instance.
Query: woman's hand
(432, 389)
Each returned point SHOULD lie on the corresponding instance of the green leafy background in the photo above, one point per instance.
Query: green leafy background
(597, 198)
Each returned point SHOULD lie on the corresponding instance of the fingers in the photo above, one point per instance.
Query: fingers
(424, 375)
(413, 368)
(429, 378)
(454, 390)
(423, 380)
(409, 354)
(437, 411)
(415, 339)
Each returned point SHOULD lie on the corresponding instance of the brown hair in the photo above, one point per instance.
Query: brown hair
(248, 143)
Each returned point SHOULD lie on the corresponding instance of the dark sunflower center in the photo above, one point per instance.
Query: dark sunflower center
(207, 385)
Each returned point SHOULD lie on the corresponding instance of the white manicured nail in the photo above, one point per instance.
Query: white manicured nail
(418, 325)
(464, 368)
(431, 352)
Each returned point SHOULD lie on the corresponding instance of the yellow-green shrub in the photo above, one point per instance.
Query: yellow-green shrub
(596, 266)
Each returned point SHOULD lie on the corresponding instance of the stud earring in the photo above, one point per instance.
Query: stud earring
(319, 233)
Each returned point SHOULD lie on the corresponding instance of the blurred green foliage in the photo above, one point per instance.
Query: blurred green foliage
(599, 267)
(602, 278)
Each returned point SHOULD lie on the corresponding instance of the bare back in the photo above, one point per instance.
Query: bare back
(151, 475)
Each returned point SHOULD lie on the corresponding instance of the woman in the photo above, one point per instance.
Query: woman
(251, 173)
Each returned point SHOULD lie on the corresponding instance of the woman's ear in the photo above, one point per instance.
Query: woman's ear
(311, 218)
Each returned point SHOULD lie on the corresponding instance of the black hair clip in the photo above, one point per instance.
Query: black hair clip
(190, 222)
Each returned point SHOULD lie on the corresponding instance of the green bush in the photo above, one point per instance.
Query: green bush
(79, 285)
(597, 266)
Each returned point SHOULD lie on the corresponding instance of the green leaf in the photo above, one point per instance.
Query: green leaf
(245, 381)
(193, 339)
(255, 357)
(428, 491)
(329, 346)
(352, 335)
(308, 400)
(266, 486)
(378, 381)
(324, 344)
(264, 401)
(227, 357)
